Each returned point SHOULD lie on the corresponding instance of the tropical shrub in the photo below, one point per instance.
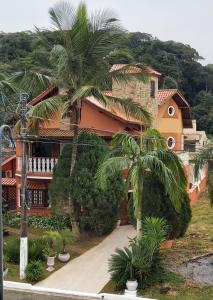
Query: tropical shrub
(52, 243)
(96, 210)
(34, 271)
(66, 238)
(156, 203)
(142, 260)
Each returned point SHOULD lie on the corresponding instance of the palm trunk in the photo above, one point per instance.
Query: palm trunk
(139, 212)
(74, 223)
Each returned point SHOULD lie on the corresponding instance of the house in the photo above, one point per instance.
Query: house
(170, 115)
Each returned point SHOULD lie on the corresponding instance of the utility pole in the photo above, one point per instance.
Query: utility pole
(24, 221)
(5, 131)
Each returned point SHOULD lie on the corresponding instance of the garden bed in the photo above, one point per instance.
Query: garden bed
(75, 250)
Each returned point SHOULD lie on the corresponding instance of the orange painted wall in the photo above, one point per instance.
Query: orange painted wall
(92, 117)
(171, 126)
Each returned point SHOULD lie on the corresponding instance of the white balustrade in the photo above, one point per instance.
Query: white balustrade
(41, 164)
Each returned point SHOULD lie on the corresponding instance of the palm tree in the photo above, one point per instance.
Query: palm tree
(147, 154)
(80, 64)
(204, 156)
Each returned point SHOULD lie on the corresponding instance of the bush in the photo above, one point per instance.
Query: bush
(50, 222)
(43, 222)
(142, 260)
(34, 271)
(11, 250)
(12, 219)
(35, 250)
(95, 210)
(155, 203)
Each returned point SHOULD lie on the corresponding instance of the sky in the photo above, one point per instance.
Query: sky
(186, 21)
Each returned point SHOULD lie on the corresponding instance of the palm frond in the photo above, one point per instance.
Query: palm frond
(126, 142)
(151, 140)
(33, 81)
(62, 16)
(110, 167)
(44, 111)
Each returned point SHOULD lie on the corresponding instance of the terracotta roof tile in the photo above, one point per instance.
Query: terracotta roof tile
(45, 94)
(163, 95)
(135, 70)
(56, 132)
(8, 181)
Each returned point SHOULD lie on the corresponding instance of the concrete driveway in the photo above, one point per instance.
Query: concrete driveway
(89, 272)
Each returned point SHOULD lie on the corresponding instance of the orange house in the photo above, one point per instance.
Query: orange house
(170, 115)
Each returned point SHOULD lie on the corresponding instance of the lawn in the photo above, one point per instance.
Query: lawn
(75, 250)
(197, 241)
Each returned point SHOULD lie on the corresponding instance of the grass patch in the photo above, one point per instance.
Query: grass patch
(199, 237)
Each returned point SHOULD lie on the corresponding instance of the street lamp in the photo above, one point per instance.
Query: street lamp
(5, 132)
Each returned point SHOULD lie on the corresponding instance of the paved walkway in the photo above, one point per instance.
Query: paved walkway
(89, 272)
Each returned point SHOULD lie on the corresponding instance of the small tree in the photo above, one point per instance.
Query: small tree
(156, 203)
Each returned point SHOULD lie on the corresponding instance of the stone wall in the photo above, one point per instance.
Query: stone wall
(139, 92)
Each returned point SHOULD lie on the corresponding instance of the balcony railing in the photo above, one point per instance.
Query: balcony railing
(39, 164)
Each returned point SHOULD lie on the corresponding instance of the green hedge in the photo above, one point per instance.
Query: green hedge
(43, 222)
(35, 251)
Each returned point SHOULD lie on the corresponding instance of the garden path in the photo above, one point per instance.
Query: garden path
(89, 272)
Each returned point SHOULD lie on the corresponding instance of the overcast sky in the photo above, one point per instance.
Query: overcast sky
(187, 21)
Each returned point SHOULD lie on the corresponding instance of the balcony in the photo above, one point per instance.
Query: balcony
(39, 164)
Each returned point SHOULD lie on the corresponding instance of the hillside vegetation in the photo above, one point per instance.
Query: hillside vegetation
(179, 64)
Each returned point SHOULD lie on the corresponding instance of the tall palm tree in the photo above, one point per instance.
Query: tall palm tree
(147, 154)
(80, 64)
(204, 156)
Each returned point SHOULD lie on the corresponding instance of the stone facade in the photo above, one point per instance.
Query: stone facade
(139, 92)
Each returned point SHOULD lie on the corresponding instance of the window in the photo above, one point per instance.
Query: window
(152, 88)
(170, 142)
(171, 111)
(37, 198)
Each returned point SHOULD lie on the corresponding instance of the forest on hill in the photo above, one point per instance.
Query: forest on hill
(178, 63)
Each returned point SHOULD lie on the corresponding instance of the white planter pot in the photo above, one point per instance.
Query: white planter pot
(132, 285)
(50, 263)
(64, 257)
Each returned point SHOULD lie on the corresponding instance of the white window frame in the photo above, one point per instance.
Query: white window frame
(173, 145)
(173, 111)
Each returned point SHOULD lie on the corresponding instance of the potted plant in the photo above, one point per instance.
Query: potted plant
(131, 283)
(52, 238)
(66, 238)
